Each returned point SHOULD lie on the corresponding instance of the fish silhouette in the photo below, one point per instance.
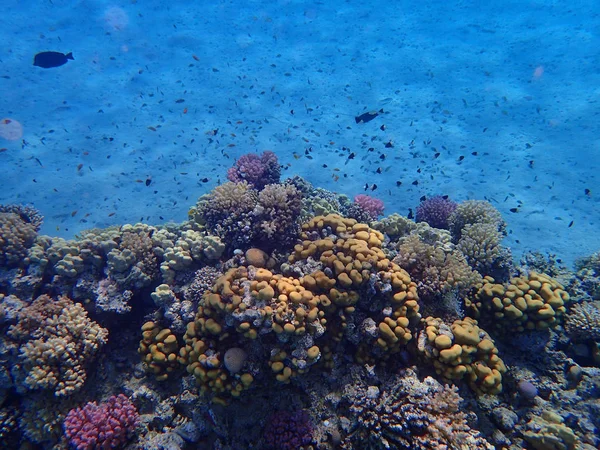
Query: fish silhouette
(48, 60)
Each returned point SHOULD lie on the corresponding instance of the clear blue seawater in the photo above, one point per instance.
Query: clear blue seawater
(514, 82)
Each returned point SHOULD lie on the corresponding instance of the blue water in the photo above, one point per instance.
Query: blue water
(514, 81)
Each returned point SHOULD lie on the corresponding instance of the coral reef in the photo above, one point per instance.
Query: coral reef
(406, 413)
(272, 319)
(242, 216)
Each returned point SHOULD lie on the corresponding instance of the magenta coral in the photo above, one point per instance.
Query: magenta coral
(103, 426)
(435, 211)
(371, 205)
(256, 170)
(287, 430)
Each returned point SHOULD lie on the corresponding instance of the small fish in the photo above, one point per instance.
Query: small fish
(588, 192)
(531, 164)
(514, 210)
(204, 180)
(571, 224)
(461, 157)
(436, 155)
(423, 198)
(474, 153)
(415, 183)
(368, 116)
(398, 183)
(47, 60)
(378, 170)
(373, 187)
(389, 144)
(382, 127)
(148, 181)
(411, 215)
(351, 155)
(366, 186)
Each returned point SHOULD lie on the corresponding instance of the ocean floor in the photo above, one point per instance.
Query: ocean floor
(479, 102)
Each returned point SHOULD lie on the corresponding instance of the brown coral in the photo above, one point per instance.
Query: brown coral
(59, 346)
(16, 237)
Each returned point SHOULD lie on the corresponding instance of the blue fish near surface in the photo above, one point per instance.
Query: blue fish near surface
(48, 60)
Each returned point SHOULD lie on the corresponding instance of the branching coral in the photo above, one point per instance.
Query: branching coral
(480, 243)
(439, 275)
(277, 213)
(367, 206)
(241, 216)
(472, 212)
(27, 214)
(256, 170)
(583, 321)
(103, 426)
(406, 413)
(436, 211)
(58, 341)
(16, 237)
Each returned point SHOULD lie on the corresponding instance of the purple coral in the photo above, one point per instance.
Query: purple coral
(371, 205)
(436, 211)
(287, 430)
(103, 426)
(256, 170)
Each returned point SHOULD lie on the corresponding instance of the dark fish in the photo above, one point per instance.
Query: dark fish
(410, 213)
(368, 116)
(373, 187)
(588, 192)
(48, 60)
(571, 224)
(389, 144)
(148, 181)
(366, 186)
(382, 127)
(513, 210)
(423, 198)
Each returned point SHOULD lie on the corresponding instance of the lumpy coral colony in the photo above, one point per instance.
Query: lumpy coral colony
(345, 331)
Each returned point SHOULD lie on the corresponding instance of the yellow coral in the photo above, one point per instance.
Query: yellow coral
(463, 351)
(535, 302)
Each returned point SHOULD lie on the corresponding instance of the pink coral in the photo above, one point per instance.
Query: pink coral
(371, 205)
(257, 170)
(103, 426)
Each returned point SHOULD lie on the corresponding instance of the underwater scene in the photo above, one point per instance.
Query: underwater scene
(299, 225)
